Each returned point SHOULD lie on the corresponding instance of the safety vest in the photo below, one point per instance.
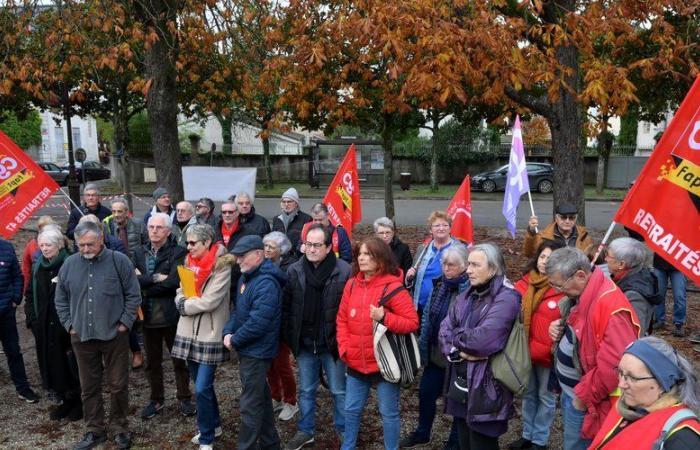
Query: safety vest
(643, 433)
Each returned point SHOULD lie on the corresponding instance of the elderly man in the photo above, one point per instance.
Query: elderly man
(229, 229)
(291, 221)
(596, 326)
(91, 205)
(184, 218)
(96, 299)
(159, 281)
(563, 230)
(341, 245)
(124, 228)
(627, 259)
(253, 331)
(251, 222)
(162, 198)
(111, 242)
(205, 212)
(310, 303)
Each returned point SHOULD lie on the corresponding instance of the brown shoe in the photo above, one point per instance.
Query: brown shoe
(137, 360)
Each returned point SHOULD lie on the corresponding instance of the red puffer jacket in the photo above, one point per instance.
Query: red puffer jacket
(546, 312)
(355, 327)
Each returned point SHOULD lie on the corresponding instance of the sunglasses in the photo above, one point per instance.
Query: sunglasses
(192, 243)
(567, 216)
(228, 212)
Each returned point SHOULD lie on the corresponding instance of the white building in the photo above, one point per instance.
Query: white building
(54, 138)
(647, 131)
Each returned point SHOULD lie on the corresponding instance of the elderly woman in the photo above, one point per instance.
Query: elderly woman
(280, 377)
(627, 261)
(31, 251)
(202, 319)
(376, 275)
(452, 283)
(540, 307)
(385, 230)
(659, 403)
(427, 265)
(477, 326)
(54, 352)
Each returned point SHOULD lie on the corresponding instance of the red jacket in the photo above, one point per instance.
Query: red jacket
(605, 324)
(28, 261)
(547, 311)
(355, 327)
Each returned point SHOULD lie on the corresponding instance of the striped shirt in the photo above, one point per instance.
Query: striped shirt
(567, 373)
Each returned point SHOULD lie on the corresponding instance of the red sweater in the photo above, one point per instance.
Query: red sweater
(547, 311)
(354, 325)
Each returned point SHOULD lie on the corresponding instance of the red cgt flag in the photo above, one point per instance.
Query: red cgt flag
(460, 210)
(24, 187)
(664, 202)
(343, 196)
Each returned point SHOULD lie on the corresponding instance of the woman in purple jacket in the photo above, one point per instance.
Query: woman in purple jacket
(476, 327)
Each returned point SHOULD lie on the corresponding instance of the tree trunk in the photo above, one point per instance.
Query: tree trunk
(120, 120)
(161, 100)
(226, 122)
(267, 162)
(434, 116)
(600, 175)
(388, 144)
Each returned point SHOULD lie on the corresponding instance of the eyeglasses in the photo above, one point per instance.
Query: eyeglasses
(87, 245)
(316, 245)
(181, 210)
(562, 286)
(440, 225)
(228, 212)
(200, 206)
(571, 217)
(630, 378)
(192, 243)
(385, 233)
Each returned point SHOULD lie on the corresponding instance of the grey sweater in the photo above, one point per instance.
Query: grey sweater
(92, 300)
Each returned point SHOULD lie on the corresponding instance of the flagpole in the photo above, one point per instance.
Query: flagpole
(603, 242)
(532, 208)
(71, 200)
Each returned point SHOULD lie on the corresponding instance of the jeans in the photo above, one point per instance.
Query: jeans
(539, 405)
(280, 377)
(572, 420)
(678, 282)
(309, 367)
(257, 429)
(10, 345)
(208, 417)
(356, 394)
(430, 389)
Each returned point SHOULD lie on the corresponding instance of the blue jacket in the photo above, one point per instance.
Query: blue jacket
(257, 314)
(11, 279)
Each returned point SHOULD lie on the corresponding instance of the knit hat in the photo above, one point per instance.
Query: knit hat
(159, 192)
(291, 194)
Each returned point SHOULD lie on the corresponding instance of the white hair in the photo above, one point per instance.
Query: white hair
(162, 216)
(51, 235)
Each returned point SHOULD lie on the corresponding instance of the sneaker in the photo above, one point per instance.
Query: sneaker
(678, 330)
(299, 440)
(54, 397)
(137, 361)
(277, 406)
(150, 410)
(658, 325)
(288, 412)
(217, 432)
(412, 441)
(89, 441)
(28, 396)
(520, 444)
(187, 408)
(123, 441)
(695, 339)
(206, 447)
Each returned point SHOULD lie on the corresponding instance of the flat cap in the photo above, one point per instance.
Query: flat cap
(567, 208)
(246, 244)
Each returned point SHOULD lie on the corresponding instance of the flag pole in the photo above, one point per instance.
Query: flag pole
(532, 208)
(71, 200)
(603, 242)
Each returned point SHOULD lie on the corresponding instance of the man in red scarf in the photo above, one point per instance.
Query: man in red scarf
(229, 229)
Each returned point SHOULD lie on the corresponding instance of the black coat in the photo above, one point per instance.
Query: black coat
(293, 231)
(254, 223)
(402, 254)
(161, 295)
(239, 233)
(293, 304)
(102, 212)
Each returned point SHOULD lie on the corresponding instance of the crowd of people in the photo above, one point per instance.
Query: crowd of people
(296, 304)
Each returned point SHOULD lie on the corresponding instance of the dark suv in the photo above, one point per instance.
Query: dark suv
(540, 176)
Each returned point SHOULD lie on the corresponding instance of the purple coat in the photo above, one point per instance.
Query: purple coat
(480, 326)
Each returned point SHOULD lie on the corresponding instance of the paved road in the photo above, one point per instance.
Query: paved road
(414, 212)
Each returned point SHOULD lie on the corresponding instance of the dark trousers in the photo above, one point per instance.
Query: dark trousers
(115, 371)
(431, 387)
(153, 341)
(257, 418)
(134, 344)
(473, 440)
(10, 345)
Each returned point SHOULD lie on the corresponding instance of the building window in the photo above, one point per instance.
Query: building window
(647, 127)
(76, 138)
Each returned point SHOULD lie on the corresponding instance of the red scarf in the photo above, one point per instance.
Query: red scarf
(227, 232)
(202, 267)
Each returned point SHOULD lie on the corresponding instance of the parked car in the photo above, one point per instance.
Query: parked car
(58, 174)
(93, 171)
(540, 176)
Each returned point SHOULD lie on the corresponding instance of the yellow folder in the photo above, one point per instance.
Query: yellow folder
(187, 281)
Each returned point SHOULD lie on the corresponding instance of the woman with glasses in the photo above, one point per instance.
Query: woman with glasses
(540, 307)
(427, 266)
(385, 230)
(202, 319)
(659, 402)
(563, 230)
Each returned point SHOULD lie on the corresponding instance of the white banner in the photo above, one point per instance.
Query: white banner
(217, 183)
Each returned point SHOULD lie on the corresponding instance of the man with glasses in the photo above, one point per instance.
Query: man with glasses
(96, 299)
(229, 229)
(563, 231)
(252, 222)
(184, 218)
(310, 302)
(598, 323)
(163, 205)
(205, 212)
(91, 205)
(124, 228)
(340, 241)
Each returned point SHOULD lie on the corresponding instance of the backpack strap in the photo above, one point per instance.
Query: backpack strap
(671, 423)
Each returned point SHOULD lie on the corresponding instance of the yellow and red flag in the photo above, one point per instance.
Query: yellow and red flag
(664, 202)
(460, 210)
(24, 187)
(343, 196)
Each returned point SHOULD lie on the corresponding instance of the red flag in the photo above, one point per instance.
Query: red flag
(460, 210)
(24, 187)
(664, 203)
(343, 196)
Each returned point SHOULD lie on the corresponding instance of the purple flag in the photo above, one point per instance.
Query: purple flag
(517, 183)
